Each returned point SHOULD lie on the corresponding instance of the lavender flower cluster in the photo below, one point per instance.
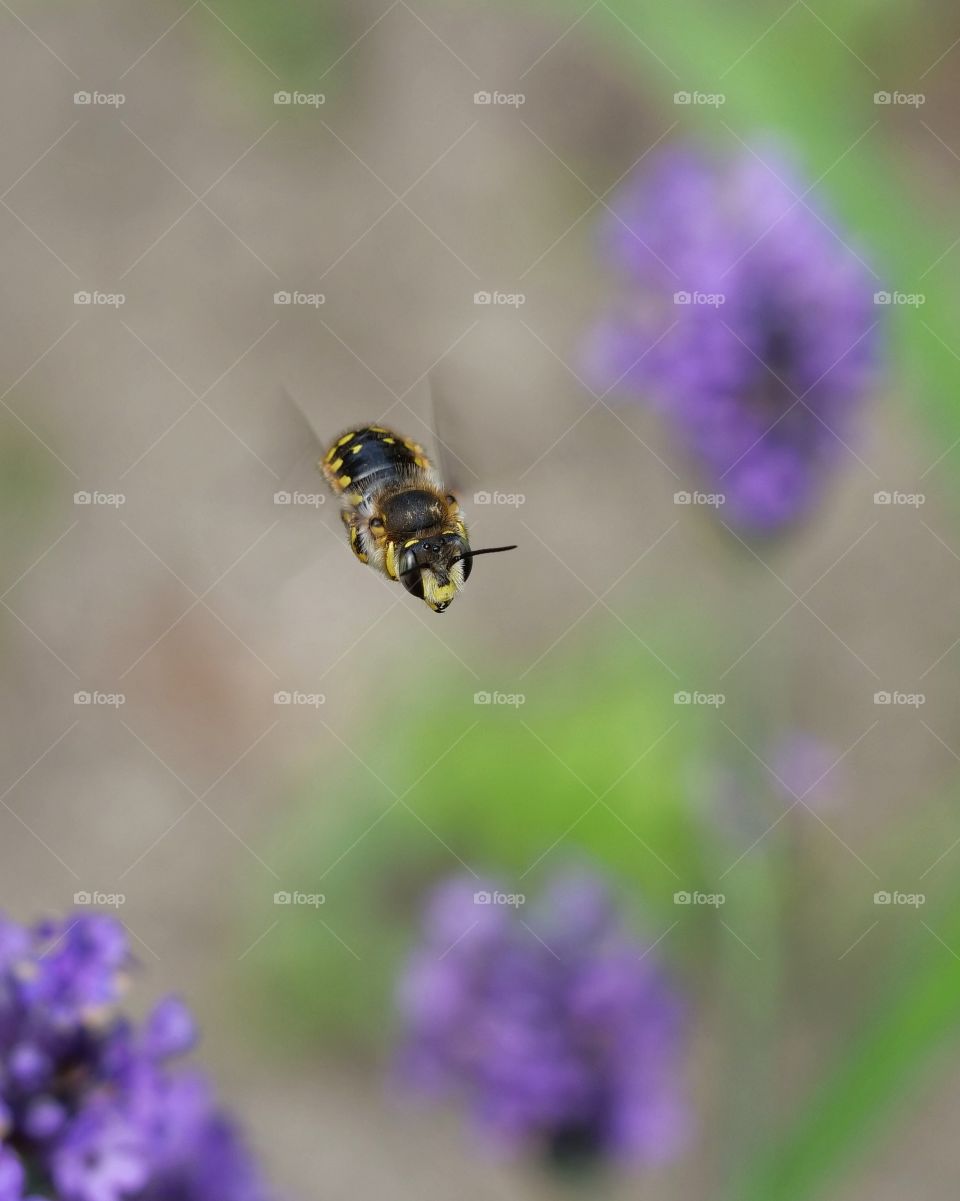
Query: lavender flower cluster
(557, 1028)
(747, 320)
(91, 1106)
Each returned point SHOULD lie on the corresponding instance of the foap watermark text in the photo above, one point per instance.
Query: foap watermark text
(108, 700)
(712, 699)
(310, 300)
(312, 900)
(500, 99)
(513, 899)
(312, 700)
(511, 699)
(512, 500)
(312, 500)
(910, 700)
(110, 500)
(910, 500)
(704, 99)
(712, 500)
(912, 900)
(105, 900)
(300, 99)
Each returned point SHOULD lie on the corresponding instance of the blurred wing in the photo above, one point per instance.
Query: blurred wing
(451, 455)
(297, 447)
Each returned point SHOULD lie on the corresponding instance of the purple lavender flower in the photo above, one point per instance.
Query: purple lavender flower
(556, 1028)
(805, 767)
(748, 321)
(91, 1107)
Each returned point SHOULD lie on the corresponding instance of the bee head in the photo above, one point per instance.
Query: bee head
(435, 569)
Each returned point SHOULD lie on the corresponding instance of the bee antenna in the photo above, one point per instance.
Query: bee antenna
(487, 550)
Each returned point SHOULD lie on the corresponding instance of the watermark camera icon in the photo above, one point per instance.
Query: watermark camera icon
(282, 898)
(82, 898)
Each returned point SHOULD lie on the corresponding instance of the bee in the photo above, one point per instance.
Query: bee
(398, 514)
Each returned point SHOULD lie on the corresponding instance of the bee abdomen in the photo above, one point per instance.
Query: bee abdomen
(362, 459)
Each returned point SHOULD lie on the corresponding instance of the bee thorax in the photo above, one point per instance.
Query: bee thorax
(412, 511)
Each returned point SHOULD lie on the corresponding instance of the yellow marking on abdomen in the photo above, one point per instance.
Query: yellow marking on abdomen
(332, 452)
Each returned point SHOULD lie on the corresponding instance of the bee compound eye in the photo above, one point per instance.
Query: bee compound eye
(413, 582)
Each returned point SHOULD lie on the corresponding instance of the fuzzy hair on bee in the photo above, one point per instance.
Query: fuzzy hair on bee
(399, 517)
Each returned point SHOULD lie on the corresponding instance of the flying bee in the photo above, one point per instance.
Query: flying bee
(399, 516)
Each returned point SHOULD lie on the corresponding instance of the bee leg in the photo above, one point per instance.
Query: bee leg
(352, 523)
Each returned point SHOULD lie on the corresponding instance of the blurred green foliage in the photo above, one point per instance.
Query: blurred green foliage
(507, 796)
(297, 40)
(27, 473)
(877, 1072)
